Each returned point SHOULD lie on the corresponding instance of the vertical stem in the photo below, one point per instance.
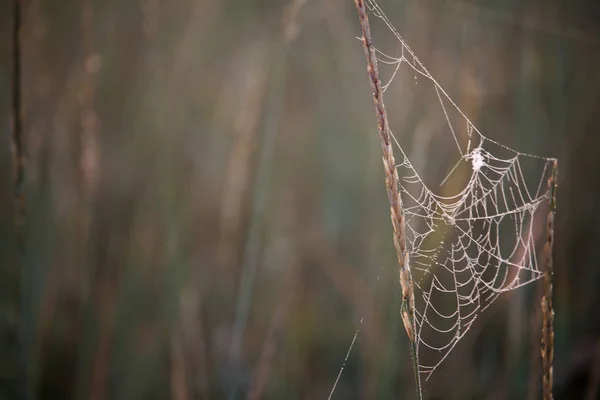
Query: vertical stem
(547, 345)
(18, 156)
(391, 181)
(18, 177)
(534, 361)
(17, 131)
(104, 299)
(252, 248)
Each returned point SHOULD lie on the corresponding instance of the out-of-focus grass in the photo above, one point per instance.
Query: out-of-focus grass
(133, 288)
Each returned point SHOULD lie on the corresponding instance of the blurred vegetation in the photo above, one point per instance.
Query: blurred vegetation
(205, 209)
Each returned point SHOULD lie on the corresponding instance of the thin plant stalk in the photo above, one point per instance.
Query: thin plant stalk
(17, 142)
(17, 145)
(254, 242)
(534, 362)
(392, 182)
(547, 345)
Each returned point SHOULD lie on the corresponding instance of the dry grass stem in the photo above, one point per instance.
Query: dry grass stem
(90, 123)
(179, 386)
(240, 164)
(266, 151)
(391, 181)
(17, 140)
(534, 362)
(17, 146)
(290, 19)
(278, 323)
(547, 346)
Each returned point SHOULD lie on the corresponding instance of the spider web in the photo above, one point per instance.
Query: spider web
(469, 247)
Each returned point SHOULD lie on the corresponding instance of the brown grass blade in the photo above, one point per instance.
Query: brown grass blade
(391, 182)
(547, 345)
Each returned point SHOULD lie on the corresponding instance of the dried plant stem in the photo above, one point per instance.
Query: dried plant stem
(179, 386)
(391, 181)
(18, 154)
(240, 164)
(547, 346)
(534, 362)
(266, 150)
(18, 179)
(90, 123)
(278, 321)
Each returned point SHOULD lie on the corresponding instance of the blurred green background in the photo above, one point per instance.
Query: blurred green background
(206, 215)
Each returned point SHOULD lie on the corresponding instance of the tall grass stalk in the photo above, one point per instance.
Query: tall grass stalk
(391, 181)
(17, 144)
(17, 140)
(547, 345)
(266, 148)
